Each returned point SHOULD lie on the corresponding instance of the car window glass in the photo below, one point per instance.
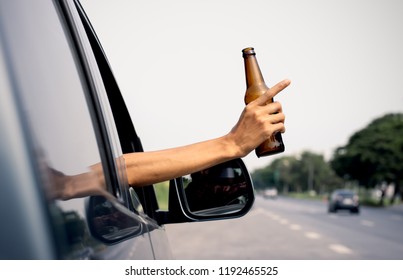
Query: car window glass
(53, 99)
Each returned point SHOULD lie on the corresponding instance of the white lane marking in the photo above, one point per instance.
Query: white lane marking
(312, 235)
(273, 216)
(281, 220)
(340, 249)
(295, 227)
(367, 223)
(258, 211)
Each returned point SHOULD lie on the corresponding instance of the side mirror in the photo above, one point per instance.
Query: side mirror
(220, 192)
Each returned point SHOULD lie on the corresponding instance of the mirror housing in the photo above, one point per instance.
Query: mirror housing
(223, 191)
(111, 222)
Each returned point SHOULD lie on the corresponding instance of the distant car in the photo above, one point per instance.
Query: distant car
(343, 199)
(270, 193)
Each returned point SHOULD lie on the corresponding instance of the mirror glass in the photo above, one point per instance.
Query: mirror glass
(222, 189)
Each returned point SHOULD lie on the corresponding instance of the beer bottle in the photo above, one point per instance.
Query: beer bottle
(255, 87)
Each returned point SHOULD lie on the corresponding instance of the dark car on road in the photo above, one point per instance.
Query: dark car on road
(343, 199)
(61, 113)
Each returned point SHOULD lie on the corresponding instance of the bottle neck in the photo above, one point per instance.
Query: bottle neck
(252, 71)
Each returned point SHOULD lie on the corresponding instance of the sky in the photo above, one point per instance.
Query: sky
(179, 66)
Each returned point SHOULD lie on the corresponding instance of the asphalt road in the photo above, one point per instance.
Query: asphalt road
(291, 229)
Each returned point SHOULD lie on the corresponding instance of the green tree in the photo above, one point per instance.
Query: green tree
(306, 172)
(317, 173)
(284, 175)
(374, 154)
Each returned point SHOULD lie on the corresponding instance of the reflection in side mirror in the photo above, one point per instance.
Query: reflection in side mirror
(222, 190)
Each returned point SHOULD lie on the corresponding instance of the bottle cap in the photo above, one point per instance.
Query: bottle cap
(248, 51)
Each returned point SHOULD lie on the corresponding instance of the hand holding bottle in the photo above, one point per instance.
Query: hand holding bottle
(260, 120)
(255, 87)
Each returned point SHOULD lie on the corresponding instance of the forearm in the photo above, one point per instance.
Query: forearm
(152, 167)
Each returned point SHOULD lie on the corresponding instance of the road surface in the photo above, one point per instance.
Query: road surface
(291, 229)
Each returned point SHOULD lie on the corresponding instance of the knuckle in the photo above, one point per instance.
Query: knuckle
(250, 110)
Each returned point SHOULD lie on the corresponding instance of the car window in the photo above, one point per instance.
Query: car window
(54, 99)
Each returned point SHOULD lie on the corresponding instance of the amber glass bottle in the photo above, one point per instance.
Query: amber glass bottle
(255, 87)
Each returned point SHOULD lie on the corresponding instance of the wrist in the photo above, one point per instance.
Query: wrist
(232, 147)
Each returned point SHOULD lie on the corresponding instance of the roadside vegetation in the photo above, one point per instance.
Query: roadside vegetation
(371, 163)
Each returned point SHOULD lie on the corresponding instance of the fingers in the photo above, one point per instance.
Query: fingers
(278, 128)
(270, 93)
(274, 108)
(275, 118)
